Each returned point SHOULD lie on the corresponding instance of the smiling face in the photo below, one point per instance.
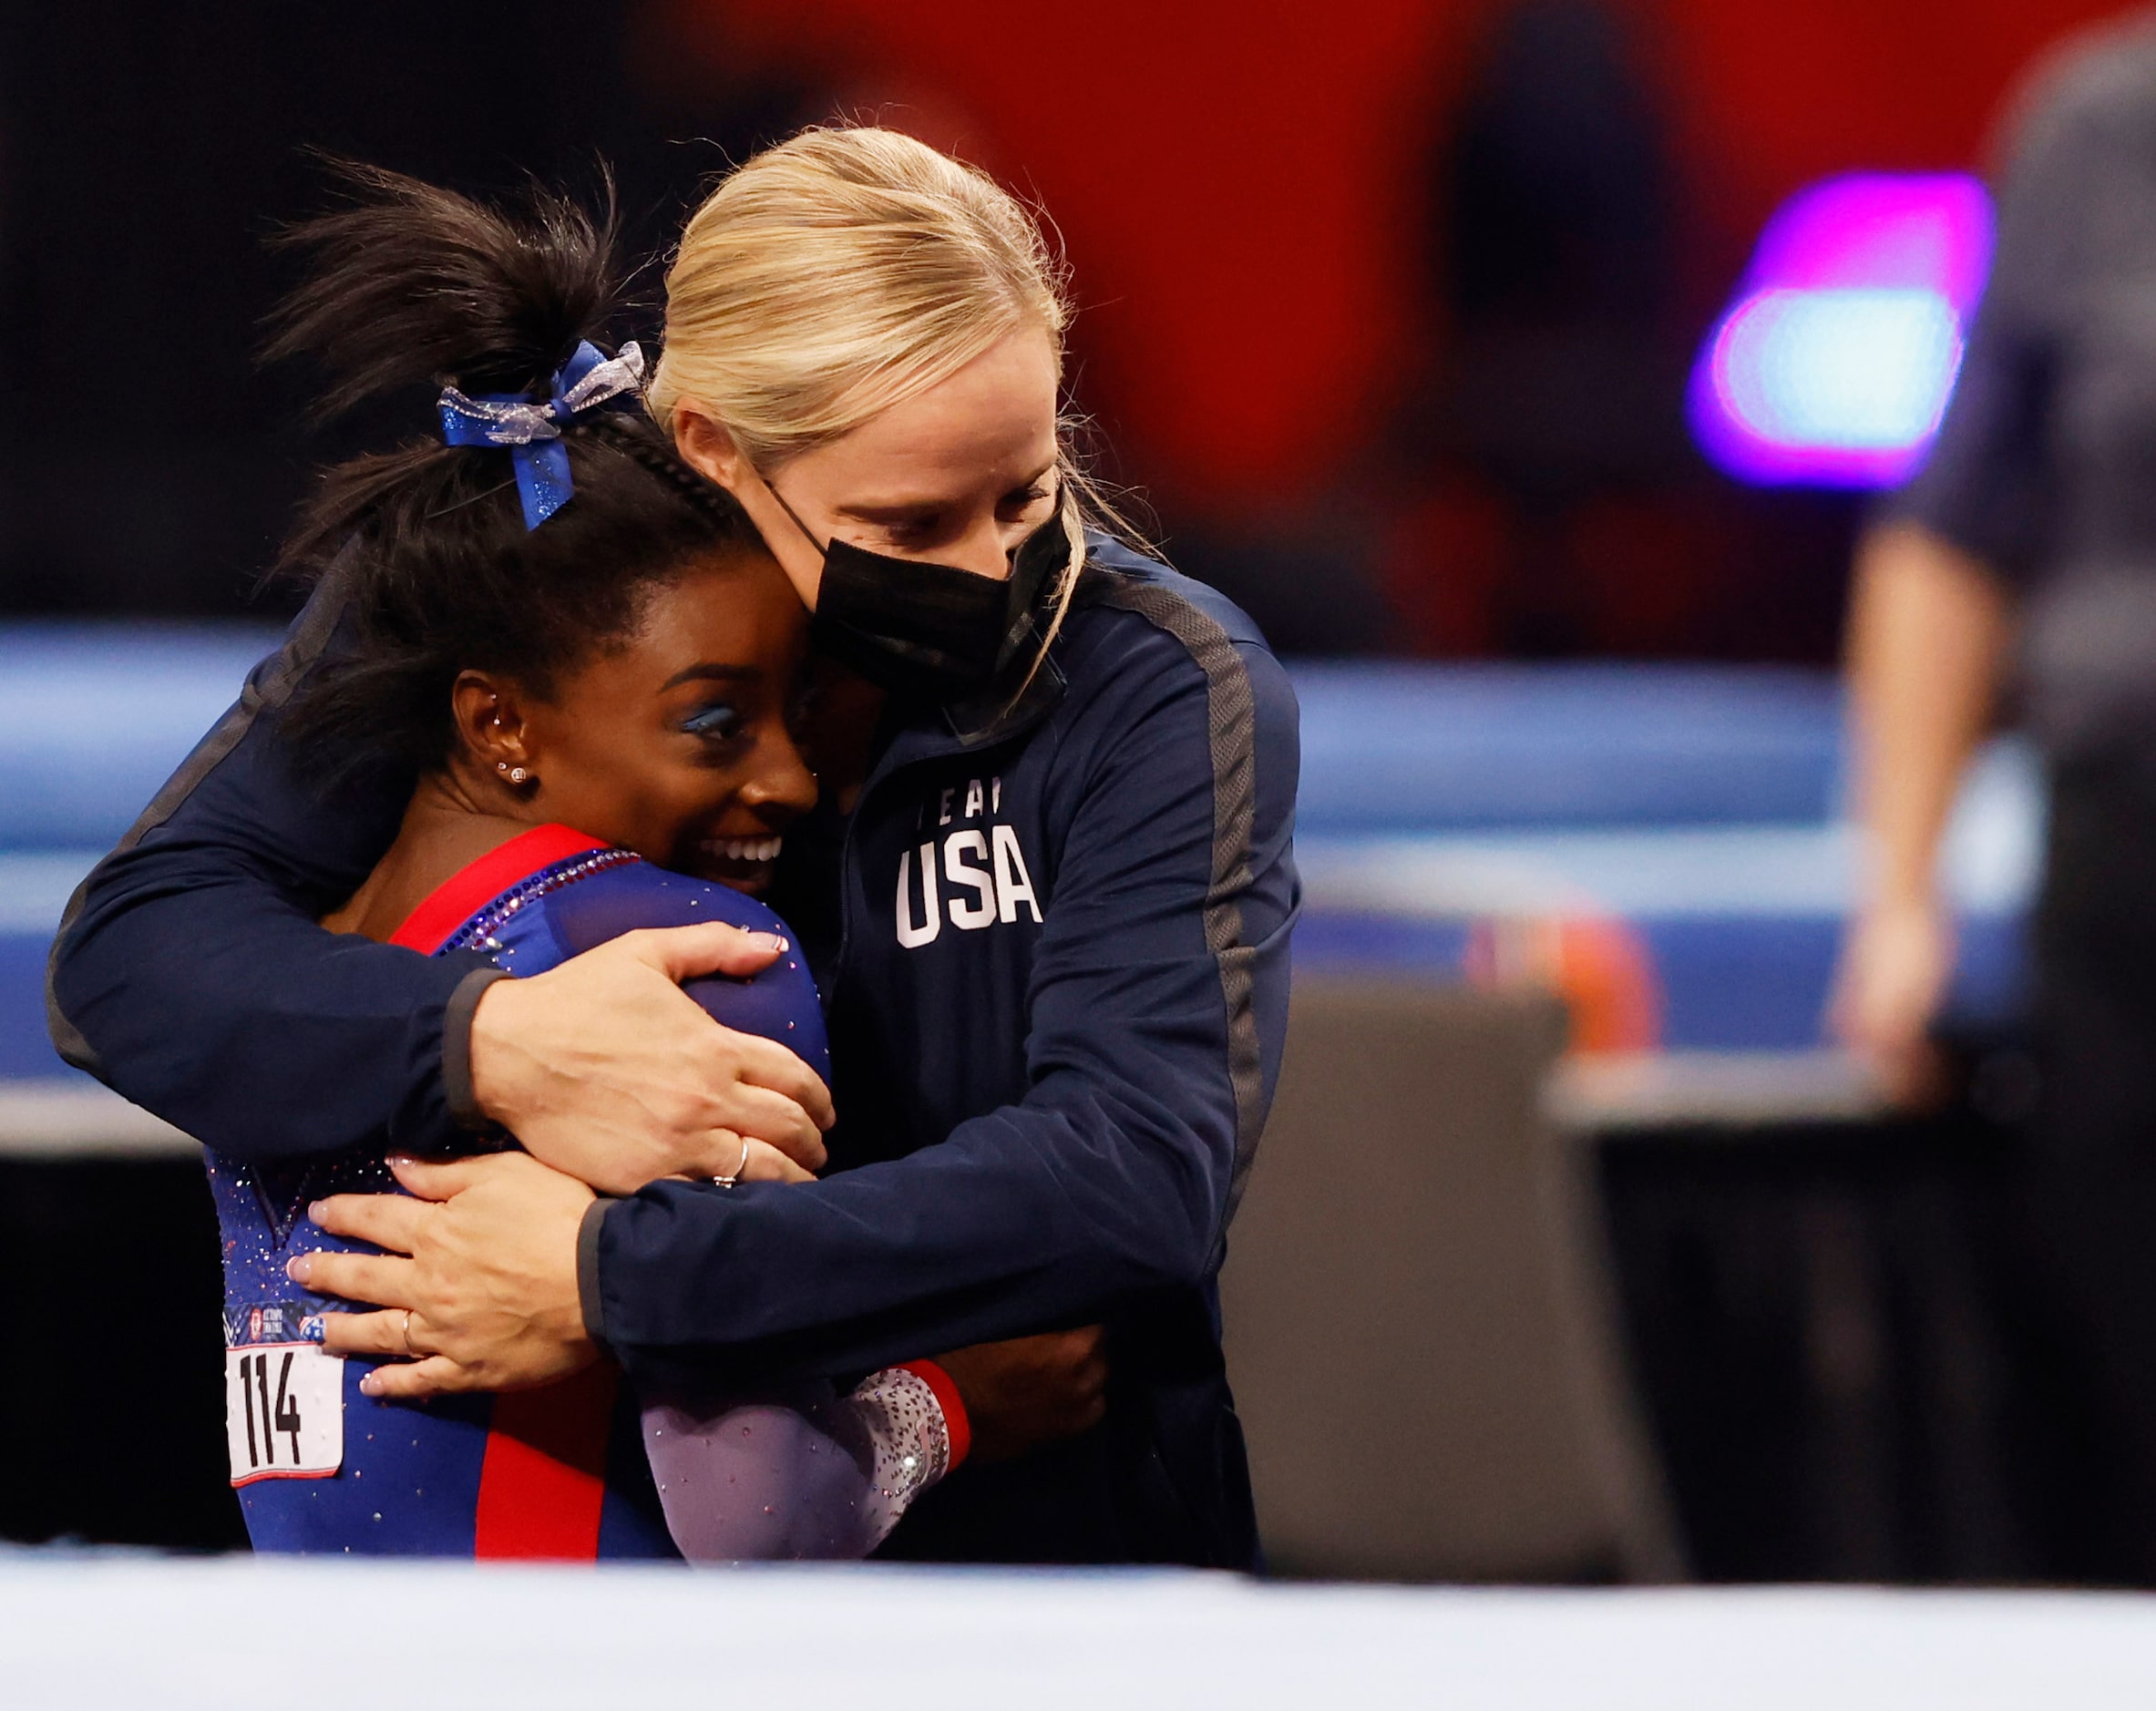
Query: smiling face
(958, 475)
(675, 740)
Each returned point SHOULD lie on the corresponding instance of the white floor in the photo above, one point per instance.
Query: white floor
(91, 1631)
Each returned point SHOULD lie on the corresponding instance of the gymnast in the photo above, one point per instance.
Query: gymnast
(586, 655)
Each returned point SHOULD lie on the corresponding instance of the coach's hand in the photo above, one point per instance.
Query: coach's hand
(1031, 1390)
(604, 1068)
(479, 1276)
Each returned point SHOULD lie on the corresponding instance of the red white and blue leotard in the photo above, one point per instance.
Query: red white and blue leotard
(559, 1473)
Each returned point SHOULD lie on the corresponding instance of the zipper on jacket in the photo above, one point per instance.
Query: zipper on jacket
(880, 775)
(1029, 721)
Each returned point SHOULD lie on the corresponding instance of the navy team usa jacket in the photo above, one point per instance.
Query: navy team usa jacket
(1052, 945)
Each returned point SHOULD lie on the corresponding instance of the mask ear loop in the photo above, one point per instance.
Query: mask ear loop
(1073, 523)
(821, 549)
(824, 551)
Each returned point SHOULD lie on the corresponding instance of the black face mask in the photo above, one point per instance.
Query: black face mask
(931, 630)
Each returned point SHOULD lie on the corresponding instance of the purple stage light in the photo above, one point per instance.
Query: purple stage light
(1835, 361)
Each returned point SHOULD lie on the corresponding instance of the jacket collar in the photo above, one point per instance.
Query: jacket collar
(1009, 707)
(919, 733)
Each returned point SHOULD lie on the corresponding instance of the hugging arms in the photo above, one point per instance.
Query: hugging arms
(1047, 904)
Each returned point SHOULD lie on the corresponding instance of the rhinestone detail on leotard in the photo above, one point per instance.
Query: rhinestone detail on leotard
(911, 1436)
(477, 933)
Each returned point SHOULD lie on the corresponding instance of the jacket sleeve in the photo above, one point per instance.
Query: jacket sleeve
(189, 974)
(1158, 1005)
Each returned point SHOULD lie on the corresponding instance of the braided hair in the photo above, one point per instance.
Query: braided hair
(426, 543)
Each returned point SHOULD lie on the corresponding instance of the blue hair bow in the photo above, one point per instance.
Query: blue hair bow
(531, 431)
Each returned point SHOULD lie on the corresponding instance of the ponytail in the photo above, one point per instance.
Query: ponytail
(413, 285)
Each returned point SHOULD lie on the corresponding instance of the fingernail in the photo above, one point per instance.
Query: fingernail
(770, 941)
(299, 1267)
(370, 1385)
(396, 1159)
(315, 1208)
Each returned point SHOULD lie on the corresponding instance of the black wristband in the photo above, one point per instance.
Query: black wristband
(594, 1309)
(457, 1047)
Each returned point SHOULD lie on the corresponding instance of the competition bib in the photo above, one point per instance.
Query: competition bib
(283, 1411)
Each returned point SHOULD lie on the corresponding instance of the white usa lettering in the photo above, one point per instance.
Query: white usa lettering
(1015, 886)
(913, 933)
(978, 880)
(974, 878)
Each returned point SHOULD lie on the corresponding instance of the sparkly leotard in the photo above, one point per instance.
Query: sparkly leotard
(559, 1473)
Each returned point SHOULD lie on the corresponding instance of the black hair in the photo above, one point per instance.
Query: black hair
(410, 284)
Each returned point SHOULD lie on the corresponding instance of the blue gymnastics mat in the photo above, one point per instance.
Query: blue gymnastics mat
(1455, 748)
(93, 718)
(1696, 811)
(1697, 815)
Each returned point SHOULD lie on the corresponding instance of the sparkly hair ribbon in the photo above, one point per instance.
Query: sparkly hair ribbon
(531, 431)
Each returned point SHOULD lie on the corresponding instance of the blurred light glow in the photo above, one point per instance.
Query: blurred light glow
(1834, 363)
(1842, 370)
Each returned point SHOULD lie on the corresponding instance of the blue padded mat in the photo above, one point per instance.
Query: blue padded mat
(25, 1049)
(1432, 748)
(1698, 805)
(93, 718)
(1724, 983)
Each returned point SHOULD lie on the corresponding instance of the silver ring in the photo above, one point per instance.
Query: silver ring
(409, 1350)
(728, 1182)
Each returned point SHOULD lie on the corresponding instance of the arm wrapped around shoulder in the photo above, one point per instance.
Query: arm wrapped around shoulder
(1156, 1001)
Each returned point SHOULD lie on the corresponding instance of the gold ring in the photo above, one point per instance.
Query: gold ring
(409, 1350)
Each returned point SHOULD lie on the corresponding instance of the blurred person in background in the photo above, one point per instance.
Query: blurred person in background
(1539, 495)
(2025, 552)
(1556, 401)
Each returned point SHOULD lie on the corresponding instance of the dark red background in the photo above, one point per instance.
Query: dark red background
(1238, 182)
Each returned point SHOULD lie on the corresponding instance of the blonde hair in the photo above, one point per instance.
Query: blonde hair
(842, 271)
(838, 273)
